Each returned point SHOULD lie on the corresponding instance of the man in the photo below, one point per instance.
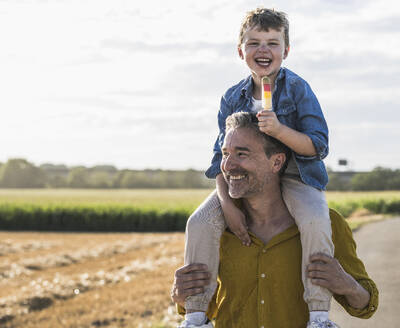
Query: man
(260, 285)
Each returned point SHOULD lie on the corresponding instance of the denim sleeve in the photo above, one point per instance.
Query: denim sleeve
(311, 121)
(223, 113)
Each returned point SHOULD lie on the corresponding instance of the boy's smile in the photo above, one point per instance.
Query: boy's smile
(263, 52)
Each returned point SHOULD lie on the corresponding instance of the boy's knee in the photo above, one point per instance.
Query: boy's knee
(201, 222)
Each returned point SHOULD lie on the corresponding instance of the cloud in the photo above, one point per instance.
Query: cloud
(178, 48)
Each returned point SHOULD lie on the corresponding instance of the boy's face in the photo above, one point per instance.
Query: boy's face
(263, 52)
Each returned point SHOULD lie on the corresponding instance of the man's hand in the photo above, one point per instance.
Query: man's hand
(236, 221)
(189, 280)
(326, 271)
(268, 122)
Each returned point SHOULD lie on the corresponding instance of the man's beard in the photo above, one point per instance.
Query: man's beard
(245, 187)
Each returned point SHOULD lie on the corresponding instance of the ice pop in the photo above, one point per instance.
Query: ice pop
(266, 95)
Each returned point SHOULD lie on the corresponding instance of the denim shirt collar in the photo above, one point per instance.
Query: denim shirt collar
(247, 90)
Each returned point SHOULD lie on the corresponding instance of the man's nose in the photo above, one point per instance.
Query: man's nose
(229, 163)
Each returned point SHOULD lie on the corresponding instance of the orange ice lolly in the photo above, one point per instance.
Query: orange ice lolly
(266, 94)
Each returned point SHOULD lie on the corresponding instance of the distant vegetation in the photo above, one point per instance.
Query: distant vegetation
(19, 173)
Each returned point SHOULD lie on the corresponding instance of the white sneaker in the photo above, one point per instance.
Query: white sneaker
(322, 324)
(186, 324)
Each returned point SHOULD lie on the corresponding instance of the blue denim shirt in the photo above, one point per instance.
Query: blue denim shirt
(297, 107)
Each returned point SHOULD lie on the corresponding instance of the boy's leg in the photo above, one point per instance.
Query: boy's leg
(310, 210)
(202, 240)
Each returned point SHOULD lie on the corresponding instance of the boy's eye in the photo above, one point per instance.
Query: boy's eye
(252, 44)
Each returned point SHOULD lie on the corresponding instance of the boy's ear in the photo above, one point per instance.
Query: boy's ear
(286, 52)
(240, 52)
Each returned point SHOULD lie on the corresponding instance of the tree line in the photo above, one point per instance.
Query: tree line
(20, 173)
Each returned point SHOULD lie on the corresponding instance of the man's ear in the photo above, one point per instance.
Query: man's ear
(240, 52)
(279, 160)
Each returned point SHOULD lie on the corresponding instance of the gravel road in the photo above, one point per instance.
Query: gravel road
(378, 245)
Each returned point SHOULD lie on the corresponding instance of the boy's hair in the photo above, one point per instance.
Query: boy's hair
(250, 121)
(265, 19)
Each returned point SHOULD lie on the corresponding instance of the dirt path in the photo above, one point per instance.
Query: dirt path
(378, 245)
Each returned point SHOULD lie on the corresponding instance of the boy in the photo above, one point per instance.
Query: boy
(297, 121)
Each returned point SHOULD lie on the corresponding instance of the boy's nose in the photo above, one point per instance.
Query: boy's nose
(263, 47)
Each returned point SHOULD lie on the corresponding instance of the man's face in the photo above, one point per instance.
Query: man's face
(245, 166)
(263, 51)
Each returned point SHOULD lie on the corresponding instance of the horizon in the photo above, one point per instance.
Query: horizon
(340, 169)
(138, 87)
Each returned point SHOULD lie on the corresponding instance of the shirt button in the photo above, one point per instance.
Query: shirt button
(372, 308)
(262, 275)
(262, 326)
(262, 301)
(264, 251)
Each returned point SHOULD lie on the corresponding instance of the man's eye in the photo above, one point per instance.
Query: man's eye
(224, 155)
(242, 154)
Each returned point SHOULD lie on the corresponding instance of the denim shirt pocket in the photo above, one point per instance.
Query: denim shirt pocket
(287, 114)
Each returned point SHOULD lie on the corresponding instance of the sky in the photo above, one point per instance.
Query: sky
(137, 84)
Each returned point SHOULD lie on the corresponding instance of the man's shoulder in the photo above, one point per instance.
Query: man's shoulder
(340, 227)
(235, 91)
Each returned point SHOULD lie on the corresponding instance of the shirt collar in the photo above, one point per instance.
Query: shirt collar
(285, 235)
(247, 89)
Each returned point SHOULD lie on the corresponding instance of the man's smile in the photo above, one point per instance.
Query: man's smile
(237, 177)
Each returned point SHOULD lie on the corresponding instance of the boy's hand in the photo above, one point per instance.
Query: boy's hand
(268, 122)
(236, 221)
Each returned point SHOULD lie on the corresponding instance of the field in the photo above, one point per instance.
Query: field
(87, 280)
(84, 280)
(148, 198)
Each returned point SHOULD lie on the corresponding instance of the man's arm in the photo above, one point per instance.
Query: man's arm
(326, 271)
(346, 255)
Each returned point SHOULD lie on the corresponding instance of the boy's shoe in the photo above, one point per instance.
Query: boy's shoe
(322, 324)
(186, 324)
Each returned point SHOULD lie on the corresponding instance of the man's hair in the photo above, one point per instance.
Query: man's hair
(250, 121)
(264, 19)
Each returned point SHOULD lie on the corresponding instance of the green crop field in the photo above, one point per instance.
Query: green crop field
(140, 209)
(150, 198)
(141, 198)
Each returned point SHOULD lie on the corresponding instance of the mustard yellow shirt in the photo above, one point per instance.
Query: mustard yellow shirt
(260, 286)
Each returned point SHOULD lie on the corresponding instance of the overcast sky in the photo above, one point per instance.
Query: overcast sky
(137, 84)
